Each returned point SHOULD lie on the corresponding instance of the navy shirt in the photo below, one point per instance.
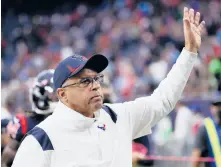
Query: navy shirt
(22, 124)
(203, 144)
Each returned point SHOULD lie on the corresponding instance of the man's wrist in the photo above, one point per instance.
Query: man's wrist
(191, 49)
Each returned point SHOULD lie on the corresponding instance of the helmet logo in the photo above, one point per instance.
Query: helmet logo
(44, 82)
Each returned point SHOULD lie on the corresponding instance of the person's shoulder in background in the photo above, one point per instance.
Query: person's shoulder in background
(201, 140)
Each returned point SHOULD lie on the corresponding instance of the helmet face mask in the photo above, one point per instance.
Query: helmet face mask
(42, 95)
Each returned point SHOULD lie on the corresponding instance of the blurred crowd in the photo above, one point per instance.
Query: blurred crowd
(141, 39)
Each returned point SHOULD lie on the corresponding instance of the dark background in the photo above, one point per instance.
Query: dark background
(43, 6)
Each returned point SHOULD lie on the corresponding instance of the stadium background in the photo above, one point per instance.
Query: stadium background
(141, 39)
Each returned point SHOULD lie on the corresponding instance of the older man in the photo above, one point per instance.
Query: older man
(82, 133)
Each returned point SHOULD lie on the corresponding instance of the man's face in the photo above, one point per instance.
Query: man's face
(84, 99)
(216, 111)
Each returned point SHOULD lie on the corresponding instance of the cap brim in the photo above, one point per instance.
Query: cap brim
(97, 63)
(216, 103)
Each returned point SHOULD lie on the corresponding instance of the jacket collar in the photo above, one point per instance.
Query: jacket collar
(73, 119)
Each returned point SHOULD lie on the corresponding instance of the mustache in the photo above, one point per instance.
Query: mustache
(96, 96)
(91, 98)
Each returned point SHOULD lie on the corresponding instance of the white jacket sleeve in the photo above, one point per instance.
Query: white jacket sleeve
(31, 154)
(143, 113)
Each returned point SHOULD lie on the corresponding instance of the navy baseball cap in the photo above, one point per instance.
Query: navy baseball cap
(216, 102)
(72, 65)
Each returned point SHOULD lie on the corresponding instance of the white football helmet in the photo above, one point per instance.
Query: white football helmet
(42, 95)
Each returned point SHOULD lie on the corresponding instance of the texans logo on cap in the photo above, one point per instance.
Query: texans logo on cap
(71, 69)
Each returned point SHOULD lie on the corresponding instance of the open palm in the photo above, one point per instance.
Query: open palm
(192, 29)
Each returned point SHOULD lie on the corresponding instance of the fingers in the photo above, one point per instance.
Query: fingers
(197, 18)
(201, 26)
(186, 14)
(191, 15)
(196, 30)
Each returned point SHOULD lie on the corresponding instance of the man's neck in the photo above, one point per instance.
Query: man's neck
(84, 113)
(89, 115)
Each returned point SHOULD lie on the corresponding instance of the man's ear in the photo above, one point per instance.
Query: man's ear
(61, 93)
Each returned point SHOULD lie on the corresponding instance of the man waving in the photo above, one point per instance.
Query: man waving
(82, 132)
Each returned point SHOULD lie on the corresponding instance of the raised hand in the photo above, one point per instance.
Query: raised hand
(192, 29)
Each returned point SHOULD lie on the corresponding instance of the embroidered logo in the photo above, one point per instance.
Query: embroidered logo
(102, 127)
(79, 58)
(71, 69)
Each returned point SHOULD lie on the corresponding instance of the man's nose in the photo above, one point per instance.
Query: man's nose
(95, 85)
